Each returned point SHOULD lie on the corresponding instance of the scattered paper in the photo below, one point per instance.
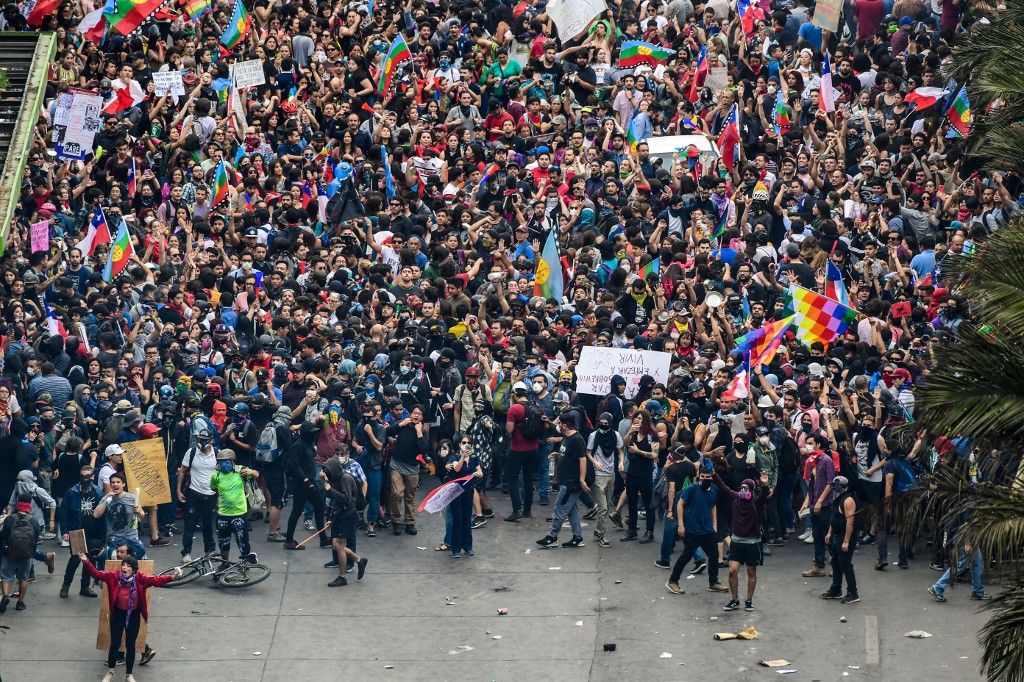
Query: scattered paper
(554, 568)
(917, 634)
(389, 667)
(459, 649)
(775, 663)
(749, 632)
(857, 667)
(496, 637)
(421, 548)
(842, 619)
(786, 672)
(846, 674)
(257, 653)
(690, 577)
(526, 552)
(618, 581)
(722, 636)
(665, 654)
(579, 623)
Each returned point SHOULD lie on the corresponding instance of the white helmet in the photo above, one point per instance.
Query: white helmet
(520, 387)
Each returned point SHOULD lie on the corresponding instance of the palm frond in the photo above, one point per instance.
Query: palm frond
(1002, 656)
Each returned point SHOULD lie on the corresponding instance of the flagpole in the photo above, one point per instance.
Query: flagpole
(750, 396)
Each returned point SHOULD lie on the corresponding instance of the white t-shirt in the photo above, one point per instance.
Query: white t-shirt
(201, 465)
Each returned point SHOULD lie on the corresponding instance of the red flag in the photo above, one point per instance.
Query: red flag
(122, 100)
(41, 10)
(700, 74)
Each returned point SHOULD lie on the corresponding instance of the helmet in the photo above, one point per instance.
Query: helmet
(520, 387)
(259, 400)
(221, 332)
(761, 431)
(473, 372)
(241, 408)
(694, 387)
(226, 453)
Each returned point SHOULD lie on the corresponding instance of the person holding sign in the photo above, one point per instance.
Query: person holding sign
(76, 512)
(126, 592)
(459, 464)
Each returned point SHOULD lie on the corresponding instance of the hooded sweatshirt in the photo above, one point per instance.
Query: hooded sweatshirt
(342, 495)
(746, 514)
(26, 485)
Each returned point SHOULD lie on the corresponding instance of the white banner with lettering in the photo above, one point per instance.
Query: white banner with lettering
(573, 16)
(597, 366)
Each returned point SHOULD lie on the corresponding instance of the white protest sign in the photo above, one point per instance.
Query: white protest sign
(62, 108)
(168, 83)
(597, 366)
(827, 14)
(83, 122)
(573, 16)
(248, 74)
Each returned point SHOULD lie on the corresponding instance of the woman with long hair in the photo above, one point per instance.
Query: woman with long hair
(126, 592)
(641, 444)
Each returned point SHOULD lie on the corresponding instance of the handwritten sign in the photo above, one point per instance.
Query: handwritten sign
(146, 466)
(826, 14)
(103, 632)
(83, 122)
(77, 542)
(249, 74)
(571, 17)
(443, 495)
(168, 83)
(597, 366)
(41, 236)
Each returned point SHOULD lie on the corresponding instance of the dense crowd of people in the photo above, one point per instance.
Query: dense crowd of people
(332, 290)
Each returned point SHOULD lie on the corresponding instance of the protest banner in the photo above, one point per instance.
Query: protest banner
(573, 16)
(168, 83)
(41, 236)
(826, 14)
(146, 467)
(597, 366)
(249, 74)
(103, 632)
(441, 496)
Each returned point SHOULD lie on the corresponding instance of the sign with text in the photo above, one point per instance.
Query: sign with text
(597, 366)
(168, 83)
(41, 236)
(146, 466)
(826, 14)
(249, 74)
(571, 17)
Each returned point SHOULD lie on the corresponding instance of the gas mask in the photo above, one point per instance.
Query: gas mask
(225, 466)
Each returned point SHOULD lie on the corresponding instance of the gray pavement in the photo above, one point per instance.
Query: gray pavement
(420, 615)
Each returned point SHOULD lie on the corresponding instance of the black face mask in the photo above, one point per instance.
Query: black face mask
(603, 428)
(86, 483)
(705, 484)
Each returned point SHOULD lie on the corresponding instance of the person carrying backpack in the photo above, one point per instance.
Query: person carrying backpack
(898, 476)
(274, 441)
(18, 538)
(344, 496)
(524, 426)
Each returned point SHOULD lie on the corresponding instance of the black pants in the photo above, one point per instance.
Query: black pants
(639, 487)
(69, 572)
(203, 508)
(521, 466)
(842, 565)
(301, 494)
(123, 624)
(709, 543)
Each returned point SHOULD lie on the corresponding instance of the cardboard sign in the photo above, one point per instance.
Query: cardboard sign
(598, 365)
(827, 13)
(168, 83)
(572, 17)
(78, 543)
(146, 467)
(41, 236)
(103, 632)
(249, 74)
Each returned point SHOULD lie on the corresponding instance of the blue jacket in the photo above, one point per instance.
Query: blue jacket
(71, 513)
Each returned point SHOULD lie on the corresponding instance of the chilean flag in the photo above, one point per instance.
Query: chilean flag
(307, 194)
(53, 323)
(746, 13)
(835, 288)
(700, 74)
(922, 98)
(739, 387)
(124, 98)
(98, 235)
(93, 26)
(132, 185)
(43, 8)
(729, 138)
(826, 95)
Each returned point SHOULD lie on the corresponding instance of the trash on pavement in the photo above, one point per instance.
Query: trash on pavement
(665, 654)
(917, 634)
(609, 647)
(775, 663)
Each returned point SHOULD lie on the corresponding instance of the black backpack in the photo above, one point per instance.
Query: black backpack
(22, 541)
(789, 457)
(533, 425)
(360, 498)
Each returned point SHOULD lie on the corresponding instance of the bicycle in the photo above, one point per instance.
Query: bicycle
(241, 573)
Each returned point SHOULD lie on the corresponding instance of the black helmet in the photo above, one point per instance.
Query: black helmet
(192, 400)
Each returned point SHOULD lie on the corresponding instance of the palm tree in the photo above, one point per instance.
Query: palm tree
(976, 389)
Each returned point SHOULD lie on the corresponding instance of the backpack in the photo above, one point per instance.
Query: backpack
(502, 397)
(360, 498)
(267, 448)
(350, 502)
(254, 497)
(22, 541)
(906, 476)
(533, 425)
(789, 457)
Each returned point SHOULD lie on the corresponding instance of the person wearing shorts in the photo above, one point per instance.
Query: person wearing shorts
(340, 491)
(745, 548)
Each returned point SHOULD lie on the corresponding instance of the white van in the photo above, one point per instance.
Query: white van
(665, 148)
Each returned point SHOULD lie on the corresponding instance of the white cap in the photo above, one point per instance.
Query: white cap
(114, 449)
(764, 401)
(815, 370)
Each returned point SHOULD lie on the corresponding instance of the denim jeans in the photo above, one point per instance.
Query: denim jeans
(521, 466)
(167, 514)
(819, 527)
(566, 507)
(942, 583)
(668, 543)
(448, 521)
(543, 472)
(374, 479)
(784, 499)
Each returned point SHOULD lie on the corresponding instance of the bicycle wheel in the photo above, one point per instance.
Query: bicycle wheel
(189, 572)
(243, 575)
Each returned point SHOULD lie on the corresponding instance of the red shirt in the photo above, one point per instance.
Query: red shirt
(520, 443)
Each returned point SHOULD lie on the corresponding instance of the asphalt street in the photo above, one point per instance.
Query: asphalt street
(421, 615)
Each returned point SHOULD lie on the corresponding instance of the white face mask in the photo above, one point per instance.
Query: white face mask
(538, 388)
(764, 440)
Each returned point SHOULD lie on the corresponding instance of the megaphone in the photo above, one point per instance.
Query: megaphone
(713, 299)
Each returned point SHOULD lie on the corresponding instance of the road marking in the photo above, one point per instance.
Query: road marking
(871, 639)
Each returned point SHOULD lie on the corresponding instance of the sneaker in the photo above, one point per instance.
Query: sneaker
(467, 552)
(938, 596)
(159, 542)
(603, 542)
(488, 513)
(717, 587)
(662, 564)
(748, 605)
(674, 588)
(902, 563)
(109, 677)
(699, 568)
(456, 555)
(64, 592)
(980, 596)
(732, 605)
(20, 606)
(591, 513)
(513, 517)
(527, 514)
(630, 535)
(86, 592)
(50, 558)
(338, 582)
(616, 518)
(186, 558)
(882, 563)
(65, 543)
(850, 599)
(147, 656)
(396, 529)
(371, 530)
(479, 522)
(294, 546)
(803, 536)
(766, 549)
(129, 678)
(3, 603)
(47, 535)
(544, 502)
(809, 540)
(936, 567)
(867, 539)
(648, 538)
(410, 529)
(831, 594)
(331, 564)
(574, 543)
(310, 525)
(777, 542)
(361, 565)
(547, 541)
(276, 537)
(814, 572)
